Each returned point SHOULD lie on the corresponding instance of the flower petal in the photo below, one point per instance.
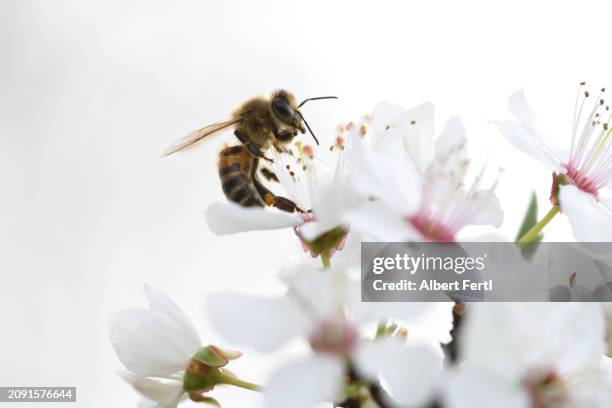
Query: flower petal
(567, 336)
(320, 292)
(386, 114)
(159, 341)
(448, 169)
(390, 177)
(304, 383)
(263, 323)
(163, 304)
(331, 202)
(428, 322)
(160, 393)
(475, 387)
(518, 106)
(583, 328)
(452, 139)
(525, 135)
(415, 126)
(595, 386)
(523, 140)
(489, 209)
(606, 201)
(230, 218)
(590, 221)
(411, 372)
(378, 221)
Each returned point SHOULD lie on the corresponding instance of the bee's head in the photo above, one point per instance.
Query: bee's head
(285, 109)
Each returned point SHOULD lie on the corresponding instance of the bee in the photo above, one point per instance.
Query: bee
(259, 124)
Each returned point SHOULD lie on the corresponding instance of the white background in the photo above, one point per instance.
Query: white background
(91, 91)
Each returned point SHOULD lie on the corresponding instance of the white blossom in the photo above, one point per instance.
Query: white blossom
(323, 307)
(586, 167)
(155, 345)
(531, 355)
(418, 185)
(393, 181)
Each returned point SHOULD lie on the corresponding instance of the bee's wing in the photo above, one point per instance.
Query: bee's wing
(195, 137)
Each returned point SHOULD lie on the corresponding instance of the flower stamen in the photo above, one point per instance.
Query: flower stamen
(589, 166)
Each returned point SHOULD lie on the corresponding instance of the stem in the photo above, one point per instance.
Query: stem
(536, 229)
(325, 260)
(228, 379)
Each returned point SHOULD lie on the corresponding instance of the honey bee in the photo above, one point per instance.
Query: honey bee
(260, 124)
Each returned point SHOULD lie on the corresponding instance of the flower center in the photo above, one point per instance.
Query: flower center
(590, 162)
(430, 229)
(547, 390)
(307, 217)
(581, 180)
(335, 336)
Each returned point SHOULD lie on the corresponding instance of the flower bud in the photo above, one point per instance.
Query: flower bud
(204, 372)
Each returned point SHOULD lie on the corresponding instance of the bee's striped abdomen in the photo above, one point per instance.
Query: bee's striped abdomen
(235, 170)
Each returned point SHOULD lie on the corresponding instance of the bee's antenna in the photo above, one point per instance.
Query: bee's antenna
(306, 123)
(316, 99)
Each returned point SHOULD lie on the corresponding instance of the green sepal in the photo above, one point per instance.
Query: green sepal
(558, 181)
(326, 243)
(211, 356)
(196, 382)
(201, 397)
(229, 354)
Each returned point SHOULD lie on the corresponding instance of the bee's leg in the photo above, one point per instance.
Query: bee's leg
(254, 149)
(272, 200)
(282, 148)
(284, 136)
